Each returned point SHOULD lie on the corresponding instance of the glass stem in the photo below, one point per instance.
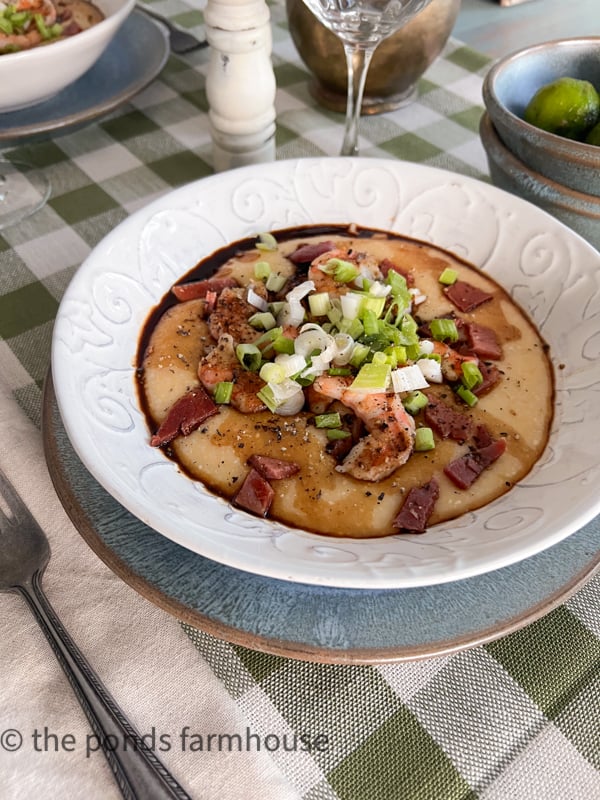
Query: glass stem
(358, 59)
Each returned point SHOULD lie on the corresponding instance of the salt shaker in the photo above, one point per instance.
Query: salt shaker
(240, 83)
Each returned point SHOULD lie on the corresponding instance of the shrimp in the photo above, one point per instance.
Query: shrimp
(391, 430)
(325, 282)
(232, 312)
(221, 365)
(29, 35)
(451, 361)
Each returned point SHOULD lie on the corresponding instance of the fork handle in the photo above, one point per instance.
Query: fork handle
(138, 772)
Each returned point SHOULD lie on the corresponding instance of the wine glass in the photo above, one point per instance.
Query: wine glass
(361, 25)
(24, 189)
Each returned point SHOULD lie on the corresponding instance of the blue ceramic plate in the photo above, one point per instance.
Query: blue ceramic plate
(134, 58)
(313, 623)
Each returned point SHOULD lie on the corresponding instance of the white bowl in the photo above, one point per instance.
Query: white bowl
(32, 76)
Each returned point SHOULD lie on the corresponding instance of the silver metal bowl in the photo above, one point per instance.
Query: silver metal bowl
(397, 64)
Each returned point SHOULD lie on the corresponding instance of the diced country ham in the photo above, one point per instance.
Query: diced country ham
(447, 422)
(386, 265)
(185, 415)
(255, 494)
(306, 253)
(418, 507)
(483, 341)
(464, 471)
(490, 374)
(465, 296)
(197, 289)
(273, 469)
(482, 437)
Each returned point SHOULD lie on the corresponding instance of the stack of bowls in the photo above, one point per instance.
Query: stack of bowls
(558, 174)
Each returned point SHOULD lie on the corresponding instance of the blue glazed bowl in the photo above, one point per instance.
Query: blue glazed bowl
(579, 211)
(509, 86)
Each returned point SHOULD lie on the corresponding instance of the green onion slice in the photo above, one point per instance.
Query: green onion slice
(442, 329)
(424, 439)
(414, 402)
(448, 276)
(332, 420)
(262, 270)
(372, 378)
(471, 374)
(467, 396)
(337, 433)
(249, 356)
(266, 241)
(223, 392)
(275, 282)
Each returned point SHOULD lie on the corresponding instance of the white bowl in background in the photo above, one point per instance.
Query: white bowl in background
(32, 76)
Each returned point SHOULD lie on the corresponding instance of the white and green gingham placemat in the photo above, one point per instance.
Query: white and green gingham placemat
(516, 719)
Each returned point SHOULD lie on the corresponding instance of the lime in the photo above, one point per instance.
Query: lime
(567, 106)
(593, 136)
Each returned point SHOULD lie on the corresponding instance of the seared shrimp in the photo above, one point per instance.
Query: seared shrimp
(325, 282)
(451, 361)
(391, 436)
(221, 365)
(232, 312)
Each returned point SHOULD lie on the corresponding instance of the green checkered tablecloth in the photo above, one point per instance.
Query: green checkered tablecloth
(515, 719)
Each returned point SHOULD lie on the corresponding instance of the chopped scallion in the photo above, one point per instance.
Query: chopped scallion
(372, 378)
(414, 402)
(370, 322)
(267, 397)
(319, 304)
(353, 327)
(263, 320)
(334, 315)
(448, 276)
(397, 353)
(262, 270)
(359, 354)
(337, 433)
(266, 241)
(283, 344)
(275, 282)
(467, 396)
(271, 372)
(332, 420)
(471, 374)
(223, 392)
(424, 439)
(342, 271)
(249, 356)
(374, 304)
(408, 331)
(413, 352)
(442, 329)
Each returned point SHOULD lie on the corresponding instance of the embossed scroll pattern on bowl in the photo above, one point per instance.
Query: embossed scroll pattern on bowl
(549, 271)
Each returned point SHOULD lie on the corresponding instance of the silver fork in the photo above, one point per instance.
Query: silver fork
(181, 41)
(24, 555)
